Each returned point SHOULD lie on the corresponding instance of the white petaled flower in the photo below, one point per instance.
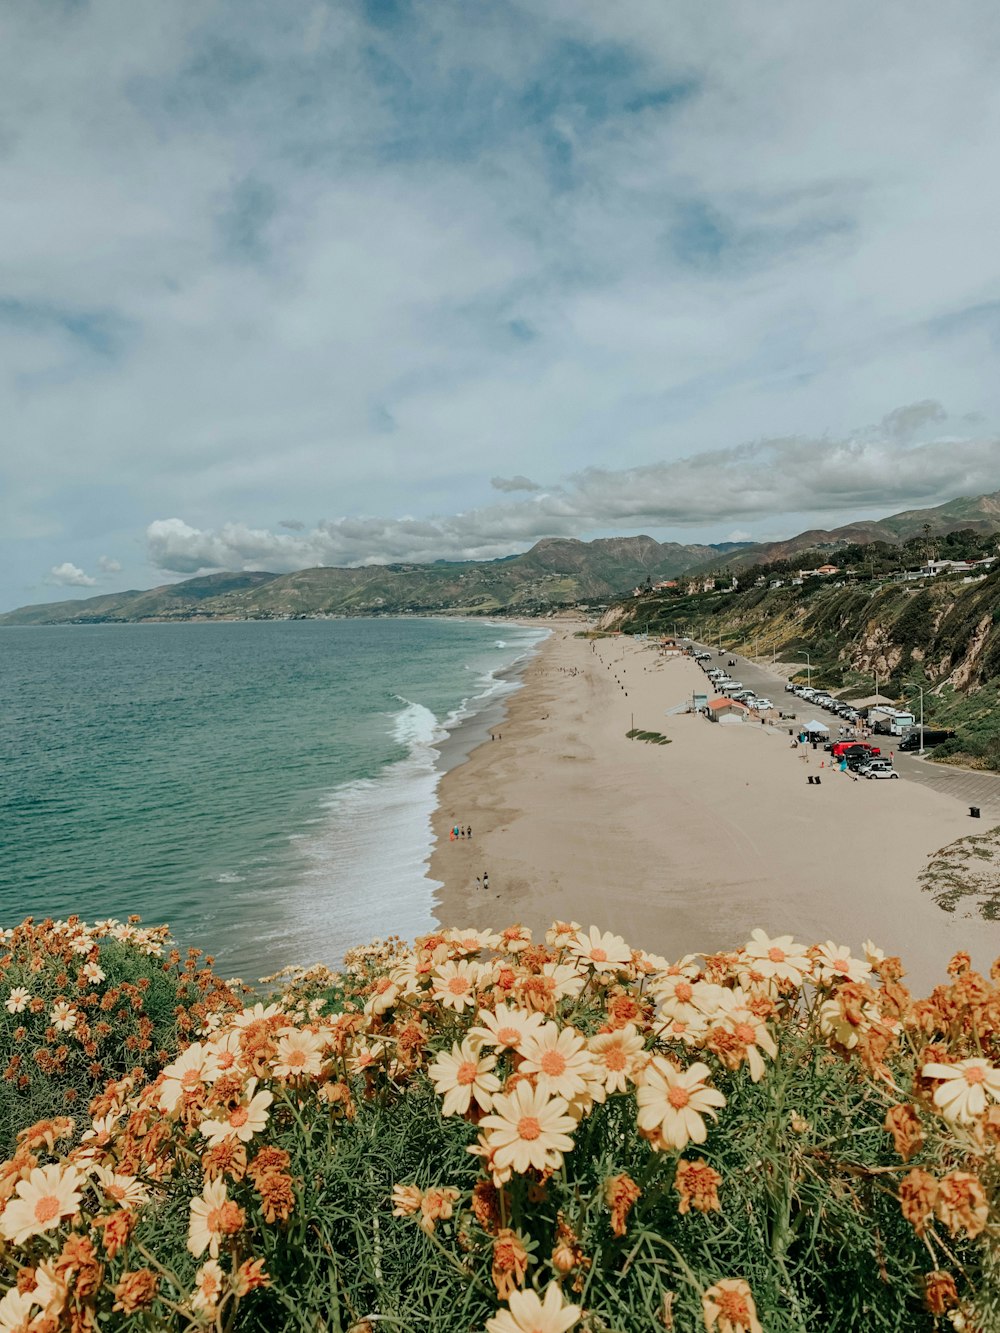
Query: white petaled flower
(603, 952)
(515, 938)
(213, 1216)
(244, 1120)
(186, 1075)
(615, 1055)
(93, 973)
(209, 1282)
(778, 959)
(872, 952)
(15, 1310)
(300, 1052)
(527, 1312)
(49, 1194)
(561, 934)
(673, 1102)
(473, 941)
(527, 1129)
(461, 1075)
(559, 1059)
(567, 982)
(507, 1028)
(64, 1017)
(834, 963)
(257, 1013)
(126, 1191)
(384, 995)
(751, 1032)
(961, 1095)
(18, 1000)
(454, 984)
(225, 1051)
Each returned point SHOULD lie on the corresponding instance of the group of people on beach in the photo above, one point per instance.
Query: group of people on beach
(460, 831)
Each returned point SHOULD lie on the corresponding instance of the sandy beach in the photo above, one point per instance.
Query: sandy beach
(685, 847)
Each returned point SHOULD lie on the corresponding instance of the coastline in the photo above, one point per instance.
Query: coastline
(684, 847)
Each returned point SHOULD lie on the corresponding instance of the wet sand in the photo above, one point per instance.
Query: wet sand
(684, 847)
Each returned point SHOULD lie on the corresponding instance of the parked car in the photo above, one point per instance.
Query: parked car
(762, 705)
(880, 773)
(854, 747)
(912, 741)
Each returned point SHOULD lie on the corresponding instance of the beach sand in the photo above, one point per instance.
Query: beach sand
(685, 847)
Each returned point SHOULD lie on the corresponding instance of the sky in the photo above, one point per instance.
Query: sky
(372, 280)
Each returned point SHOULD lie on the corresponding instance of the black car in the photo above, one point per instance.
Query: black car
(912, 741)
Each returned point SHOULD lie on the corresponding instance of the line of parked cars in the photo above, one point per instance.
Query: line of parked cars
(725, 684)
(821, 699)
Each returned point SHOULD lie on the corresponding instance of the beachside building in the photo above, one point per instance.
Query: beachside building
(727, 711)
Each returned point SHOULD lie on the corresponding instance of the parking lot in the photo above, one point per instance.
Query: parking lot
(964, 785)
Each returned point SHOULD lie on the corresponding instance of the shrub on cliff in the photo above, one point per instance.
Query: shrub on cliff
(80, 1005)
(487, 1132)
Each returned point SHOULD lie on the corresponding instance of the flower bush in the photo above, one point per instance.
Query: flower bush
(80, 1005)
(489, 1132)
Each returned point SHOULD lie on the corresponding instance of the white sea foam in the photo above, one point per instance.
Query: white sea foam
(229, 877)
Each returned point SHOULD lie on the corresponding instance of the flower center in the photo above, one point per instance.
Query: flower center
(615, 1058)
(745, 1034)
(775, 954)
(683, 991)
(47, 1208)
(239, 1117)
(508, 1036)
(528, 1128)
(382, 985)
(214, 1220)
(190, 1079)
(839, 964)
(114, 1192)
(678, 1097)
(297, 1058)
(975, 1074)
(458, 985)
(733, 1307)
(466, 1073)
(553, 1064)
(599, 955)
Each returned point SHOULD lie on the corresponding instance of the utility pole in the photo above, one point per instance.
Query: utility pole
(808, 669)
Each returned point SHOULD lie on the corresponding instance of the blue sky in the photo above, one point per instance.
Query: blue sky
(283, 285)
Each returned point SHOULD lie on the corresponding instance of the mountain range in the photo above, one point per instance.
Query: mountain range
(555, 572)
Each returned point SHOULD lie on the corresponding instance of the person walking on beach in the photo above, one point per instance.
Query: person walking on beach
(486, 880)
(479, 882)
(468, 830)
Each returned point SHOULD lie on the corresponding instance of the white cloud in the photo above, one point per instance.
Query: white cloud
(107, 565)
(511, 484)
(873, 469)
(70, 576)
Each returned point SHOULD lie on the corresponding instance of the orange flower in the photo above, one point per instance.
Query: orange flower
(698, 1185)
(250, 1275)
(620, 1194)
(961, 1204)
(277, 1195)
(940, 1292)
(437, 1205)
(903, 1124)
(486, 1204)
(117, 1227)
(729, 1305)
(135, 1291)
(917, 1197)
(510, 1262)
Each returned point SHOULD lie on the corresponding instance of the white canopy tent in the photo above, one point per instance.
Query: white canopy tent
(816, 726)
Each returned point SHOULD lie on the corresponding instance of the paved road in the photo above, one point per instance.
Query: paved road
(967, 787)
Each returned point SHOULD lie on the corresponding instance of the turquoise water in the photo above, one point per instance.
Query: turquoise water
(264, 787)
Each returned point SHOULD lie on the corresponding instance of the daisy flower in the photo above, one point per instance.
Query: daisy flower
(528, 1313)
(49, 1194)
(507, 1028)
(93, 973)
(454, 984)
(213, 1216)
(15, 1310)
(225, 1050)
(258, 1013)
(834, 963)
(383, 997)
(567, 982)
(751, 1032)
(185, 1075)
(208, 1285)
(673, 1101)
(463, 1075)
(126, 1191)
(299, 1052)
(515, 938)
(729, 1306)
(244, 1120)
(18, 1000)
(559, 1059)
(614, 1055)
(527, 1129)
(780, 959)
(64, 1017)
(561, 934)
(602, 952)
(961, 1096)
(473, 941)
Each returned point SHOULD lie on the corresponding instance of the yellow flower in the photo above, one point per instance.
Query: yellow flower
(454, 984)
(213, 1216)
(527, 1313)
(672, 1103)
(527, 1129)
(463, 1074)
(559, 1059)
(208, 1283)
(299, 1052)
(615, 1055)
(507, 1029)
(244, 1120)
(729, 1305)
(49, 1194)
(961, 1095)
(602, 952)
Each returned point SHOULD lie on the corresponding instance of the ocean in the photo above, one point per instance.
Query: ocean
(264, 787)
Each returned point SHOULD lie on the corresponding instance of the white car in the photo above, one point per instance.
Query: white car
(882, 771)
(762, 705)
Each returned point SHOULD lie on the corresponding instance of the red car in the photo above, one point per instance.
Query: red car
(853, 747)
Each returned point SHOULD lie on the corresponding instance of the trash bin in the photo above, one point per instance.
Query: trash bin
(974, 811)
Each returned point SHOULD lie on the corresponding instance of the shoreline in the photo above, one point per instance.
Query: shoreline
(684, 847)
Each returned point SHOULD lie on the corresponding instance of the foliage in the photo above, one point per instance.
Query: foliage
(84, 1004)
(773, 1137)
